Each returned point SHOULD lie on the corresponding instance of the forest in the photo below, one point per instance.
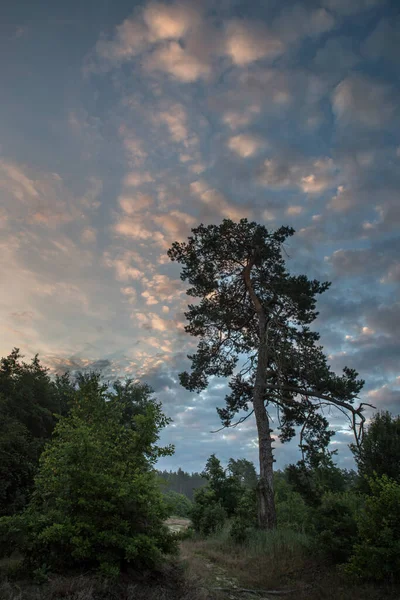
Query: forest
(86, 514)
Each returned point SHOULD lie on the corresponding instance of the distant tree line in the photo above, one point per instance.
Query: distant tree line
(181, 482)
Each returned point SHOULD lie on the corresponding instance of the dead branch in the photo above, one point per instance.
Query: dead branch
(255, 592)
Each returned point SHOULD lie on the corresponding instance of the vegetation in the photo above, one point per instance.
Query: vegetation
(377, 552)
(250, 306)
(380, 451)
(29, 403)
(178, 504)
(96, 501)
(181, 482)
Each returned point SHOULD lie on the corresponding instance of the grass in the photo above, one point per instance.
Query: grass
(282, 559)
(169, 583)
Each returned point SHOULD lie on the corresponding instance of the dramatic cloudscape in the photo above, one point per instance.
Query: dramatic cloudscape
(123, 125)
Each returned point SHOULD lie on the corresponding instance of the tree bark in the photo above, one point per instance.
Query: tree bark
(265, 488)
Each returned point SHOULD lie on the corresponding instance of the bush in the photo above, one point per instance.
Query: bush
(291, 510)
(335, 524)
(207, 514)
(96, 501)
(245, 516)
(178, 504)
(377, 553)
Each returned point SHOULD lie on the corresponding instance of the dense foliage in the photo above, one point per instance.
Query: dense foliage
(335, 525)
(96, 501)
(207, 514)
(379, 453)
(178, 505)
(377, 552)
(29, 404)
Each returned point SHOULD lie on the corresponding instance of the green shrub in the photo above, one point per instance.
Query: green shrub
(96, 501)
(207, 514)
(291, 509)
(377, 553)
(245, 517)
(335, 525)
(178, 504)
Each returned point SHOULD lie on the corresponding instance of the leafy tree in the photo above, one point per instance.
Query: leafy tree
(376, 554)
(96, 501)
(252, 320)
(227, 489)
(379, 451)
(292, 511)
(29, 403)
(335, 525)
(244, 471)
(245, 516)
(178, 504)
(207, 514)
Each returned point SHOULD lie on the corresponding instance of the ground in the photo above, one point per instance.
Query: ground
(212, 569)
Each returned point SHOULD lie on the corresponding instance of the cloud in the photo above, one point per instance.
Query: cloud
(177, 122)
(384, 41)
(126, 265)
(337, 54)
(37, 198)
(247, 41)
(161, 288)
(134, 204)
(216, 202)
(294, 211)
(312, 177)
(169, 21)
(151, 321)
(360, 100)
(174, 60)
(342, 7)
(137, 178)
(89, 235)
(297, 22)
(175, 224)
(236, 119)
(386, 397)
(133, 228)
(134, 150)
(379, 259)
(245, 144)
(131, 38)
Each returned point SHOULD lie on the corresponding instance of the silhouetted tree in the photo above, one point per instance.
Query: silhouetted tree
(379, 452)
(252, 321)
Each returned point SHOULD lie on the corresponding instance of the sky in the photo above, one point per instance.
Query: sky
(125, 124)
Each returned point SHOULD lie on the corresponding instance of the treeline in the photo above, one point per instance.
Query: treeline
(181, 482)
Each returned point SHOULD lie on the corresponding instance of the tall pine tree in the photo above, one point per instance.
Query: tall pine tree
(252, 321)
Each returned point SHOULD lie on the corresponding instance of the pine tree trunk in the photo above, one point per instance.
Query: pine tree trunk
(265, 489)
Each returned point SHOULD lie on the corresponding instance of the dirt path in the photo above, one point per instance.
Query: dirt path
(213, 576)
(177, 524)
